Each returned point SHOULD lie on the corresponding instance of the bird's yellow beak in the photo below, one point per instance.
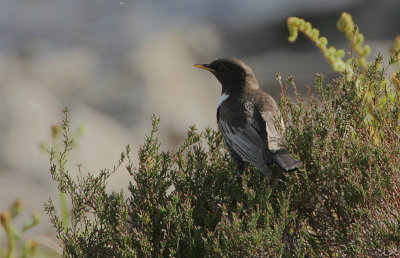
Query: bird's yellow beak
(205, 67)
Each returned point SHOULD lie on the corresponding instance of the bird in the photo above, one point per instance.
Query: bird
(246, 118)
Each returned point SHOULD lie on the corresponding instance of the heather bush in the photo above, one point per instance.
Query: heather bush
(344, 201)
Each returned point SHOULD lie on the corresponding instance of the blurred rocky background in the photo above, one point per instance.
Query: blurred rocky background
(115, 63)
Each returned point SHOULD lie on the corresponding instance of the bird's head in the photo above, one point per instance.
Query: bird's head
(233, 74)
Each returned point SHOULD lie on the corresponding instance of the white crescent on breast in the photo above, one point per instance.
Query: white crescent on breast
(221, 99)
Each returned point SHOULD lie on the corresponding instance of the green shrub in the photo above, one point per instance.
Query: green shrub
(348, 192)
(191, 202)
(345, 201)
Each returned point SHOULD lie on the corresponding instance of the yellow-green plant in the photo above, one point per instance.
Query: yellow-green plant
(394, 59)
(376, 96)
(334, 56)
(353, 34)
(13, 235)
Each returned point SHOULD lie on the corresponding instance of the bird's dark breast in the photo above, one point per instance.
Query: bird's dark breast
(232, 114)
(242, 113)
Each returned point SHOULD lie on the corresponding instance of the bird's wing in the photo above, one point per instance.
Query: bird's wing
(273, 136)
(279, 153)
(246, 142)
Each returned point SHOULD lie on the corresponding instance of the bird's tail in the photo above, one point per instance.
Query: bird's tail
(285, 160)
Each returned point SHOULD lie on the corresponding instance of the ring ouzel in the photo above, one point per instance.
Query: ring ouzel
(246, 117)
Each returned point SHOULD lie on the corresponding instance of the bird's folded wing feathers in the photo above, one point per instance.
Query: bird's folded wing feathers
(273, 137)
(246, 142)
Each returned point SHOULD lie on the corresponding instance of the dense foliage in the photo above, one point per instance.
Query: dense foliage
(191, 202)
(345, 200)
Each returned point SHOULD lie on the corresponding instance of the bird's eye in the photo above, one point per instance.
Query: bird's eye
(222, 69)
